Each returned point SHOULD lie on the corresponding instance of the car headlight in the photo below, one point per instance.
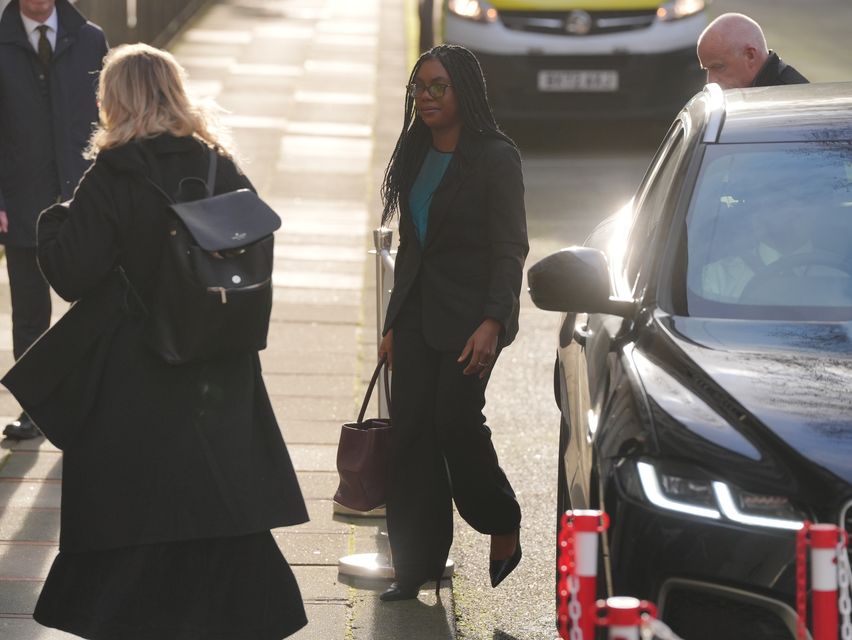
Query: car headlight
(677, 9)
(477, 10)
(716, 500)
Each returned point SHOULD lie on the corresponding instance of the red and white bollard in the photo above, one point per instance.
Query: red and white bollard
(578, 566)
(824, 540)
(824, 580)
(624, 616)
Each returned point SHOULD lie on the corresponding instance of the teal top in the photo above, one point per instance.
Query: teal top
(431, 173)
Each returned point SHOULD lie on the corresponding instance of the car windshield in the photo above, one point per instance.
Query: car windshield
(769, 233)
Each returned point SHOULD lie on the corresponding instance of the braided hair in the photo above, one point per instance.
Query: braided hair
(476, 115)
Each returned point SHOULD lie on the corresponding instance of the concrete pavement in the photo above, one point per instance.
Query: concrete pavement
(314, 92)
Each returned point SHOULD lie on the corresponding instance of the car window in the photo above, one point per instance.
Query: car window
(769, 232)
(651, 200)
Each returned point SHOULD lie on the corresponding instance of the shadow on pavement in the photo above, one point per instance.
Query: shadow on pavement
(412, 620)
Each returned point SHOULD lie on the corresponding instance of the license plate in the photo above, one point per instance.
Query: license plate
(555, 81)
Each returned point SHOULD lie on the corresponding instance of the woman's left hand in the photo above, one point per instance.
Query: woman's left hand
(481, 348)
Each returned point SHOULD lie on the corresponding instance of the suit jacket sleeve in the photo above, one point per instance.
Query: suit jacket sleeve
(507, 229)
(77, 240)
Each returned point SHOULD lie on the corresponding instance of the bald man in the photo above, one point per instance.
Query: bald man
(733, 52)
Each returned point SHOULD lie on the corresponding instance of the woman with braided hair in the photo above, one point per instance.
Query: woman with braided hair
(455, 180)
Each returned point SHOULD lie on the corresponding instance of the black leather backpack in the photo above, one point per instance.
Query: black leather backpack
(213, 291)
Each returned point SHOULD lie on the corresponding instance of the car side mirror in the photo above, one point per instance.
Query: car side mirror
(575, 280)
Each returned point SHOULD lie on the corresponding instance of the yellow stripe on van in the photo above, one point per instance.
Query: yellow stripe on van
(588, 5)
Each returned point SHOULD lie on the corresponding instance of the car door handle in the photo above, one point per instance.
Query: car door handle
(581, 334)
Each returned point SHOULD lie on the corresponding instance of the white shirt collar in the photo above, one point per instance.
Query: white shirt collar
(31, 25)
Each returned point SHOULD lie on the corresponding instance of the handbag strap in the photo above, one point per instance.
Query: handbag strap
(383, 362)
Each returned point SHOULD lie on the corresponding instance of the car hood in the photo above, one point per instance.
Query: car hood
(795, 378)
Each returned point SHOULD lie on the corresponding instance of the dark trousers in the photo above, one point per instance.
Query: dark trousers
(442, 452)
(30, 298)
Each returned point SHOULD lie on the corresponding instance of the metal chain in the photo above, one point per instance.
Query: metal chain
(801, 582)
(569, 605)
(844, 578)
(575, 611)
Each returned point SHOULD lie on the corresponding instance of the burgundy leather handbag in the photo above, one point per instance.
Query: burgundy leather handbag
(362, 455)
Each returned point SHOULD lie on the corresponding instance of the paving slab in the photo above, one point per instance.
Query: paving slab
(298, 385)
(310, 549)
(301, 295)
(322, 409)
(320, 314)
(321, 584)
(318, 432)
(322, 520)
(20, 561)
(29, 525)
(280, 360)
(35, 444)
(45, 465)
(325, 620)
(319, 485)
(426, 618)
(19, 596)
(29, 494)
(25, 628)
(313, 457)
(8, 405)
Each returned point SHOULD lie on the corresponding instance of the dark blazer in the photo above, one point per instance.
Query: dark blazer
(471, 265)
(776, 72)
(168, 452)
(45, 119)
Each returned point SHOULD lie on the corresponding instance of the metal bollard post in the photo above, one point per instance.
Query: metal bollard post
(382, 240)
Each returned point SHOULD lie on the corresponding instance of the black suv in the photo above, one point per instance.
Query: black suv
(704, 369)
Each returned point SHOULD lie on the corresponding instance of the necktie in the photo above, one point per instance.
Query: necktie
(45, 53)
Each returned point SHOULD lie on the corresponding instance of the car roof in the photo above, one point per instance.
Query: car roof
(791, 113)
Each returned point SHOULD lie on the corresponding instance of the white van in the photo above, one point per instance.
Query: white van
(581, 58)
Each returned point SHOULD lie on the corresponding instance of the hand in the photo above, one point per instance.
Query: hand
(481, 348)
(4, 222)
(386, 348)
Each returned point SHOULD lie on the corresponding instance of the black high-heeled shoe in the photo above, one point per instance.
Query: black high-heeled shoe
(499, 569)
(404, 590)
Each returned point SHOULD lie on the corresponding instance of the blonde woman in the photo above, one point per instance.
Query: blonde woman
(171, 488)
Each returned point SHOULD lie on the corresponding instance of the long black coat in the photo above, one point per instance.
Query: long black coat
(471, 265)
(45, 118)
(170, 452)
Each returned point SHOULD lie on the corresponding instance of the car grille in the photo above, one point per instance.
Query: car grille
(709, 616)
(560, 22)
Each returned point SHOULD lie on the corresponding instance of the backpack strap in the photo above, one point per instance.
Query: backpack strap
(211, 171)
(209, 185)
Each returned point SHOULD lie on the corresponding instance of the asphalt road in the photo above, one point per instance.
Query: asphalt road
(576, 175)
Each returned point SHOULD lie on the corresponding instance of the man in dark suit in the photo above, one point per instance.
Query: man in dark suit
(49, 60)
(733, 52)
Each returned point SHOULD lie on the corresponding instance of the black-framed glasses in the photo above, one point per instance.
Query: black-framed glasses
(436, 90)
